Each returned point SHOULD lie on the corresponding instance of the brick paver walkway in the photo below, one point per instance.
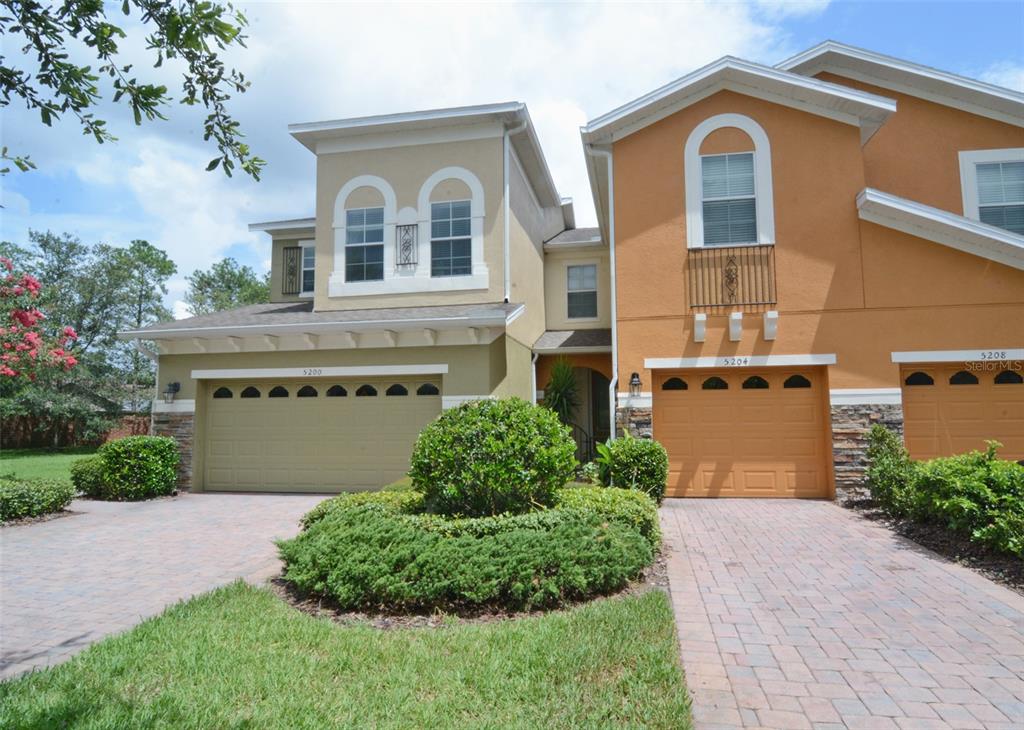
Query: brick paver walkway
(800, 614)
(71, 581)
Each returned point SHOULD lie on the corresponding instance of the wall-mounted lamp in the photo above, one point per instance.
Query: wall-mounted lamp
(170, 391)
(634, 385)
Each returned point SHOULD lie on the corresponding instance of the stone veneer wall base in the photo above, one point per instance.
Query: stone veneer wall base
(181, 428)
(635, 420)
(850, 427)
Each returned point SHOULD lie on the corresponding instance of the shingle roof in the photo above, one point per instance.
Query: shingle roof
(575, 236)
(299, 317)
(594, 340)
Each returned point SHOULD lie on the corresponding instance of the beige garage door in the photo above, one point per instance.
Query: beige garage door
(952, 409)
(313, 436)
(743, 433)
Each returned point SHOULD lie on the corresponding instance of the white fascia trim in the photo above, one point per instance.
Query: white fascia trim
(733, 361)
(296, 223)
(995, 354)
(186, 405)
(863, 108)
(969, 161)
(589, 243)
(356, 371)
(410, 138)
(572, 350)
(865, 396)
(497, 320)
(940, 226)
(946, 88)
(515, 314)
(763, 194)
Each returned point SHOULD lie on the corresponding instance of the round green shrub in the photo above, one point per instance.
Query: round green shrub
(87, 476)
(369, 557)
(32, 497)
(138, 467)
(488, 457)
(637, 464)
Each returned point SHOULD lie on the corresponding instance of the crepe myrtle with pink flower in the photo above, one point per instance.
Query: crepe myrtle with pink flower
(24, 352)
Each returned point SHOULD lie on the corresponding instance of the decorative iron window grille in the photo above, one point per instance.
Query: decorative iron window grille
(720, 278)
(405, 244)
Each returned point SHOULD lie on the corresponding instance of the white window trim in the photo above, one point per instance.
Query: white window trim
(410, 280)
(302, 268)
(764, 198)
(597, 270)
(969, 161)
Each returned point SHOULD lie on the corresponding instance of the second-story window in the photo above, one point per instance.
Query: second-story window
(308, 264)
(729, 202)
(364, 244)
(582, 288)
(1001, 195)
(450, 239)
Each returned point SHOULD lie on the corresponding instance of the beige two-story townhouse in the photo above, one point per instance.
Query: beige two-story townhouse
(784, 256)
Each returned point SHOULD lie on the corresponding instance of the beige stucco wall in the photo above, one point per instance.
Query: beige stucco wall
(406, 168)
(471, 368)
(277, 269)
(518, 370)
(556, 287)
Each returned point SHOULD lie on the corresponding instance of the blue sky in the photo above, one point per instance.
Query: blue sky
(568, 62)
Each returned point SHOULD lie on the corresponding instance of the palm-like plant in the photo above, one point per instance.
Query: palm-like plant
(560, 394)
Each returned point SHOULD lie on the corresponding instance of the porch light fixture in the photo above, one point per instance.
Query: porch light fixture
(170, 391)
(634, 385)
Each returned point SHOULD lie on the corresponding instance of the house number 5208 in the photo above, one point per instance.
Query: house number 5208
(993, 354)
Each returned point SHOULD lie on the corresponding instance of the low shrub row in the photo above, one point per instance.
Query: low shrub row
(975, 494)
(378, 550)
(21, 498)
(128, 469)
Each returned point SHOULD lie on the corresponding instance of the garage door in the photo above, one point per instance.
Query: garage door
(743, 433)
(315, 436)
(951, 409)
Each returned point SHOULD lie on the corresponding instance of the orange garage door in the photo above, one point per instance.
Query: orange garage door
(951, 409)
(743, 433)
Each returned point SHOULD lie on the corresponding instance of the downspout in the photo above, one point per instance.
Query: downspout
(614, 384)
(506, 255)
(533, 378)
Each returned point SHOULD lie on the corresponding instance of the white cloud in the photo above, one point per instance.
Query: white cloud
(777, 9)
(1005, 73)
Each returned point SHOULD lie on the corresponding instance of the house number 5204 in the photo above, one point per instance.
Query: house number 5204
(735, 361)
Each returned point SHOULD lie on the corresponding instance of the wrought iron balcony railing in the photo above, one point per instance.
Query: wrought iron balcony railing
(721, 278)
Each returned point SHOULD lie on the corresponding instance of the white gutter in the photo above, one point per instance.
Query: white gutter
(506, 255)
(533, 378)
(613, 385)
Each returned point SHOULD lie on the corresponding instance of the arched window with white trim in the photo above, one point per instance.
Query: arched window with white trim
(729, 199)
(364, 223)
(451, 212)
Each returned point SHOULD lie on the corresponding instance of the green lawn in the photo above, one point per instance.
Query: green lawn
(45, 463)
(239, 657)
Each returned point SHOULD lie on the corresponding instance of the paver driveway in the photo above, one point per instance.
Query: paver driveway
(71, 581)
(799, 614)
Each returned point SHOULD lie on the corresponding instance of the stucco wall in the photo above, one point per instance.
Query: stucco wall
(556, 287)
(845, 287)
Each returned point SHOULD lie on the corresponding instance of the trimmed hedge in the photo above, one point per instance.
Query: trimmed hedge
(368, 557)
(32, 497)
(975, 494)
(488, 457)
(379, 549)
(128, 469)
(632, 463)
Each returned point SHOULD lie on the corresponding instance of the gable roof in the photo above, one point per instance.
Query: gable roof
(851, 106)
(511, 113)
(940, 226)
(910, 78)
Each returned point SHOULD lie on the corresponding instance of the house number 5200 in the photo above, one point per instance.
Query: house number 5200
(312, 371)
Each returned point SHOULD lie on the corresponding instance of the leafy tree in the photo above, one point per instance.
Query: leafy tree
(225, 285)
(193, 32)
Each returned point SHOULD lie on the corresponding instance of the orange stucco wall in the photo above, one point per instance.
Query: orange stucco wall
(855, 289)
(916, 152)
(601, 362)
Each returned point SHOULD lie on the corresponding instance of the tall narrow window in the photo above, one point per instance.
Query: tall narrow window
(1001, 195)
(308, 263)
(450, 239)
(364, 244)
(729, 202)
(582, 287)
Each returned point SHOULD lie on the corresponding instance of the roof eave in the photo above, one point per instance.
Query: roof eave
(940, 226)
(298, 224)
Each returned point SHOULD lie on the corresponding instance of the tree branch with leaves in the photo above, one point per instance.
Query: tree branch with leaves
(192, 31)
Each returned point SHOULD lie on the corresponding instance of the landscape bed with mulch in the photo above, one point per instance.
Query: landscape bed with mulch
(1002, 568)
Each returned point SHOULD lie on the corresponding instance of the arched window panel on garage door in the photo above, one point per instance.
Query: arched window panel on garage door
(1008, 377)
(962, 377)
(428, 389)
(251, 392)
(278, 391)
(714, 383)
(396, 389)
(307, 391)
(755, 382)
(674, 384)
(919, 378)
(366, 391)
(223, 393)
(336, 391)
